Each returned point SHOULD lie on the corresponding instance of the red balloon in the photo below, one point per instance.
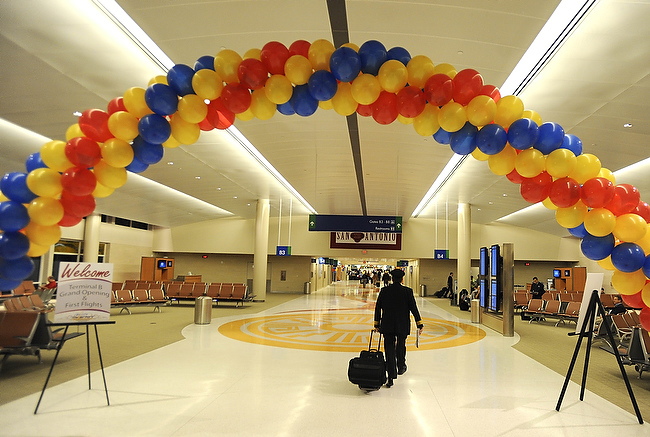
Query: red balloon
(384, 109)
(490, 91)
(78, 181)
(115, 105)
(219, 116)
(644, 317)
(633, 300)
(274, 55)
(643, 209)
(235, 98)
(467, 84)
(83, 152)
(94, 124)
(597, 192)
(300, 47)
(205, 125)
(537, 188)
(69, 220)
(515, 177)
(410, 101)
(77, 206)
(439, 89)
(252, 73)
(564, 192)
(626, 198)
(364, 110)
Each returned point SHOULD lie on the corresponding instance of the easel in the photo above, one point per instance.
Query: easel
(60, 345)
(586, 331)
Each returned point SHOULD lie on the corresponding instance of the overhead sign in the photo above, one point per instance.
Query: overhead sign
(283, 250)
(83, 292)
(441, 254)
(402, 263)
(355, 223)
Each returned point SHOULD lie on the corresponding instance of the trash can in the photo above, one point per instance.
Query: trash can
(476, 308)
(203, 310)
(423, 290)
(307, 288)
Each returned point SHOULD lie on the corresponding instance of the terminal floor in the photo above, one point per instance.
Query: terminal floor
(283, 372)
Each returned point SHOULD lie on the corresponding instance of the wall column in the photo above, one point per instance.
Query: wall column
(91, 238)
(464, 262)
(260, 256)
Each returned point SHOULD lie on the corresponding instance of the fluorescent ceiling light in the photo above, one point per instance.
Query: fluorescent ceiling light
(446, 173)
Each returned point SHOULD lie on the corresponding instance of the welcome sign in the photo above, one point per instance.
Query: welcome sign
(83, 292)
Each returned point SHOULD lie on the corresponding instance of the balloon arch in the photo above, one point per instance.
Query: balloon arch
(62, 181)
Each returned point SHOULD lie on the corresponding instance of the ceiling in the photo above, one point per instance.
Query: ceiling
(58, 57)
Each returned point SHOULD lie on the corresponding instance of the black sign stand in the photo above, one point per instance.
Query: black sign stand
(60, 345)
(586, 331)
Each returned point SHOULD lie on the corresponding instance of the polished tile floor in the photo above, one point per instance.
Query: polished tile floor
(283, 372)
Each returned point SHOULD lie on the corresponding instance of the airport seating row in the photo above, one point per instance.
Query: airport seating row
(540, 310)
(126, 299)
(217, 291)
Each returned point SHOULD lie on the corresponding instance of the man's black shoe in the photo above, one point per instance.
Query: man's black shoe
(389, 383)
(402, 370)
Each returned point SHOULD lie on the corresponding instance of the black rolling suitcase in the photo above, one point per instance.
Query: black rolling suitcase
(368, 370)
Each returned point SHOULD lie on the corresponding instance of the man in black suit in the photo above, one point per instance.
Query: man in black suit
(392, 319)
(537, 289)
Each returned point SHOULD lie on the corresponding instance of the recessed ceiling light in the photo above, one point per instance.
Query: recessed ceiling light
(490, 203)
(76, 114)
(628, 125)
(197, 177)
(170, 163)
(218, 188)
(206, 101)
(460, 52)
(505, 195)
(234, 197)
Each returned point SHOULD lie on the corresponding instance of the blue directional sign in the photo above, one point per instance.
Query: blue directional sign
(283, 250)
(441, 254)
(355, 223)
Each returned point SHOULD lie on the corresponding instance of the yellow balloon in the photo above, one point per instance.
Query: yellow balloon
(406, 120)
(548, 204)
(452, 116)
(226, 63)
(420, 68)
(528, 113)
(630, 228)
(351, 45)
(298, 69)
(343, 102)
(45, 182)
(481, 110)
(184, 132)
(600, 222)
(560, 163)
(530, 163)
(319, 54)
(253, 54)
(158, 79)
(587, 167)
(111, 177)
(171, 143)
(207, 84)
(572, 216)
(365, 89)
(74, 131)
(628, 283)
(645, 241)
(134, 102)
(117, 153)
(53, 155)
(45, 211)
(246, 115)
(3, 198)
(102, 191)
(43, 235)
(509, 109)
(607, 263)
(607, 174)
(447, 69)
(36, 250)
(123, 125)
(261, 106)
(503, 162)
(326, 104)
(427, 124)
(480, 156)
(192, 108)
(278, 89)
(393, 76)
(645, 294)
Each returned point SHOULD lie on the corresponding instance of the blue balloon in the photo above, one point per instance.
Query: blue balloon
(442, 136)
(523, 133)
(491, 139)
(463, 142)
(345, 64)
(646, 266)
(17, 269)
(286, 108)
(572, 143)
(399, 54)
(161, 99)
(136, 166)
(597, 248)
(9, 284)
(179, 77)
(34, 161)
(154, 128)
(14, 187)
(13, 216)
(302, 101)
(373, 54)
(551, 136)
(147, 153)
(13, 245)
(628, 257)
(322, 85)
(204, 63)
(579, 231)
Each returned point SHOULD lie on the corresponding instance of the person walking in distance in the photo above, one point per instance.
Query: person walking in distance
(394, 306)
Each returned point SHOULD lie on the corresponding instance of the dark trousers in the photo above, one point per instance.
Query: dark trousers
(395, 348)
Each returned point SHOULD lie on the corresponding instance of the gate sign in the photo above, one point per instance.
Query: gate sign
(356, 223)
(283, 250)
(83, 292)
(441, 254)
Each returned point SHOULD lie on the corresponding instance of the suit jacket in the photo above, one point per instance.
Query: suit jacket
(393, 308)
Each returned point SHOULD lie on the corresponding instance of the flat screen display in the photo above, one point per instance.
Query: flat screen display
(483, 292)
(567, 273)
(162, 264)
(170, 263)
(494, 295)
(495, 255)
(556, 273)
(484, 262)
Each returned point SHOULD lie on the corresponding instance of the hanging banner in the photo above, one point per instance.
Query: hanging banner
(359, 223)
(365, 240)
(83, 292)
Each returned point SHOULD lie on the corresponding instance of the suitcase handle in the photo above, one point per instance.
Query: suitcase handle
(370, 342)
